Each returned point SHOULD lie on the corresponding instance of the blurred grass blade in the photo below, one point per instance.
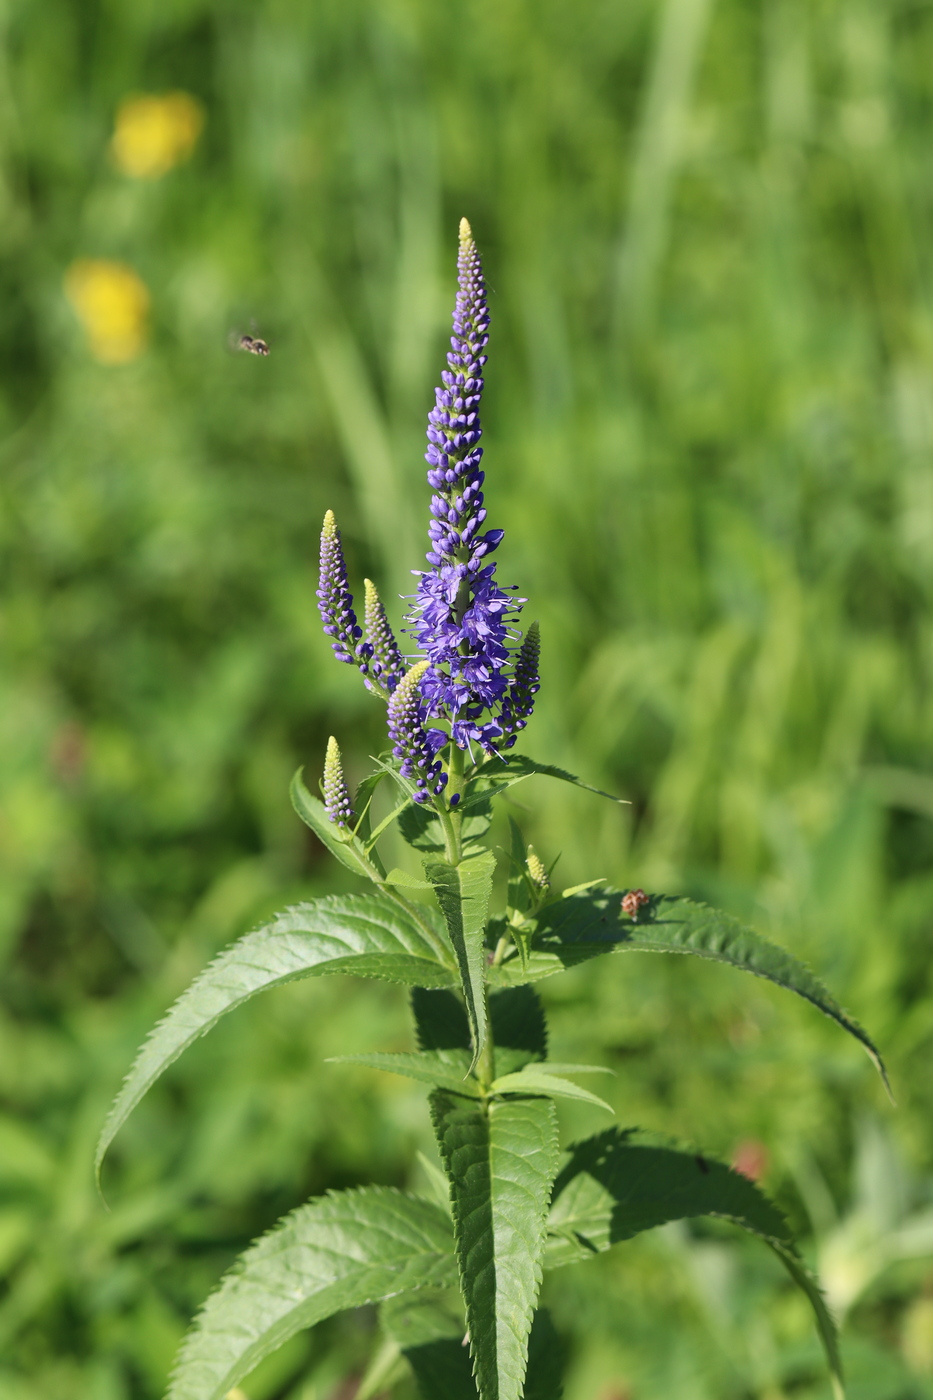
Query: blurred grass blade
(342, 1251)
(362, 429)
(369, 935)
(613, 1188)
(658, 146)
(585, 926)
(500, 1162)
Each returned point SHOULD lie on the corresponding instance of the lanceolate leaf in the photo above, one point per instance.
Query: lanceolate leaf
(585, 926)
(445, 1069)
(497, 774)
(341, 1251)
(500, 1161)
(463, 893)
(536, 1080)
(370, 935)
(429, 1329)
(516, 1018)
(349, 851)
(614, 1187)
(363, 803)
(421, 827)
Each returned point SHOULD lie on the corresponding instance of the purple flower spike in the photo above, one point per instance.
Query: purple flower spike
(523, 687)
(335, 601)
(386, 666)
(413, 745)
(461, 617)
(337, 802)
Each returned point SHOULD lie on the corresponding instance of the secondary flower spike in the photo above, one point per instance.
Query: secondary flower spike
(337, 802)
(414, 745)
(461, 616)
(335, 601)
(386, 664)
(523, 687)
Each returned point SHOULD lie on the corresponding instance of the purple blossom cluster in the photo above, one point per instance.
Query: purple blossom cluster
(462, 617)
(462, 620)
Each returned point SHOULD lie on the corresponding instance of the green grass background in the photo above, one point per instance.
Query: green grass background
(709, 424)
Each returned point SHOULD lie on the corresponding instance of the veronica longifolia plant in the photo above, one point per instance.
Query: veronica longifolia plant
(513, 1206)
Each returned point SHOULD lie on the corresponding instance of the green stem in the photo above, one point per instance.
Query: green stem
(450, 818)
(486, 1064)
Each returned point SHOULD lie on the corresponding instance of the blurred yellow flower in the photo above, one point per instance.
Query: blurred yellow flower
(151, 134)
(112, 304)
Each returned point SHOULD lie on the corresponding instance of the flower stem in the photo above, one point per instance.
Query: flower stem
(451, 818)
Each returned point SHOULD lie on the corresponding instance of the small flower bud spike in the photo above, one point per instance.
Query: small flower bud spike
(537, 873)
(523, 687)
(335, 601)
(414, 745)
(386, 665)
(337, 802)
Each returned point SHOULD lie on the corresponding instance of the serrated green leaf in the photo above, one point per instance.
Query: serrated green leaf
(445, 1069)
(497, 774)
(363, 803)
(546, 1360)
(571, 890)
(429, 1328)
(370, 935)
(342, 1251)
(613, 1188)
(535, 1080)
(349, 851)
(501, 1161)
(420, 826)
(373, 836)
(573, 930)
(516, 1017)
(463, 895)
(519, 1027)
(440, 1019)
(410, 882)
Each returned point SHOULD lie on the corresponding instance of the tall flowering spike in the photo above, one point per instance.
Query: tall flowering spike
(335, 601)
(414, 746)
(386, 665)
(523, 687)
(337, 802)
(461, 617)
